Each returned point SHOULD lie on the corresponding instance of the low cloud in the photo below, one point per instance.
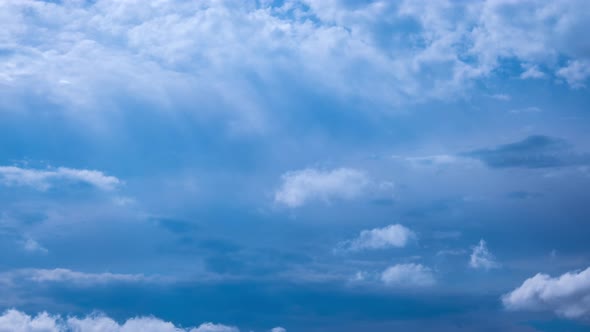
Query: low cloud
(392, 236)
(408, 275)
(300, 187)
(567, 295)
(14, 320)
(46, 178)
(482, 258)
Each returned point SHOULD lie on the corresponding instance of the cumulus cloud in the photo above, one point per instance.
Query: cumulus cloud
(567, 295)
(278, 329)
(300, 187)
(408, 275)
(392, 236)
(45, 179)
(178, 53)
(482, 258)
(17, 321)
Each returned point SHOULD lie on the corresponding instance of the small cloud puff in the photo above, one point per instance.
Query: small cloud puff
(482, 258)
(392, 236)
(14, 320)
(408, 275)
(567, 295)
(33, 246)
(300, 187)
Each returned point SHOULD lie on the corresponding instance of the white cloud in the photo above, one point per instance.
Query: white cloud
(532, 72)
(408, 275)
(210, 327)
(482, 258)
(567, 295)
(392, 236)
(278, 329)
(78, 278)
(16, 321)
(185, 53)
(575, 73)
(31, 245)
(45, 179)
(299, 187)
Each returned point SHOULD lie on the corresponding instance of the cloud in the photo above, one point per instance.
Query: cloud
(482, 258)
(532, 152)
(300, 187)
(60, 275)
(532, 72)
(185, 53)
(392, 236)
(45, 179)
(408, 275)
(31, 245)
(17, 321)
(567, 295)
(575, 73)
(278, 329)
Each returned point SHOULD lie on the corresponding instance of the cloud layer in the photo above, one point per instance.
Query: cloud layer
(384, 53)
(16, 321)
(45, 179)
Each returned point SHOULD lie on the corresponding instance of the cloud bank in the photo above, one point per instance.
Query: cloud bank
(16, 321)
(206, 52)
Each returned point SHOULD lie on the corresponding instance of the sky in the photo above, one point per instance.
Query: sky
(294, 165)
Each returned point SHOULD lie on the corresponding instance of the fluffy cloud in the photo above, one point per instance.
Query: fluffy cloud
(16, 321)
(278, 329)
(45, 179)
(567, 295)
(408, 275)
(575, 73)
(299, 187)
(392, 236)
(482, 258)
(206, 52)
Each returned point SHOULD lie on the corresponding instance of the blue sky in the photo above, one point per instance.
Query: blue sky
(296, 165)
